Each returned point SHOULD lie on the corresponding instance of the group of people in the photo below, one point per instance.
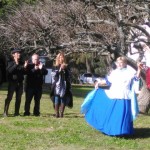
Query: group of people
(34, 73)
(110, 111)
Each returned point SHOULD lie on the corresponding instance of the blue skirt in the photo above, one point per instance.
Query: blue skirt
(109, 116)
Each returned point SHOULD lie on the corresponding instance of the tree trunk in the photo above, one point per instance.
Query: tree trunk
(88, 65)
(144, 100)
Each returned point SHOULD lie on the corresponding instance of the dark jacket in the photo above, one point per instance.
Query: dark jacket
(66, 76)
(35, 77)
(15, 72)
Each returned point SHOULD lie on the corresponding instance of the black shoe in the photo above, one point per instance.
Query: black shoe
(26, 113)
(36, 115)
(16, 114)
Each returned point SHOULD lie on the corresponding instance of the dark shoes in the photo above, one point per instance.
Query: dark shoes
(36, 115)
(16, 114)
(26, 113)
(61, 115)
(57, 115)
(6, 115)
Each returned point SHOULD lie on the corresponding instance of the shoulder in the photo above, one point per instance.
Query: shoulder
(10, 62)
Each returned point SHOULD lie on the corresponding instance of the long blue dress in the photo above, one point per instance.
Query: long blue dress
(112, 111)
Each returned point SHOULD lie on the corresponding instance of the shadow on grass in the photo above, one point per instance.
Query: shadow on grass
(73, 115)
(139, 133)
(66, 115)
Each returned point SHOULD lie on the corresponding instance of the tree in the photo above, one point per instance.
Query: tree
(5, 4)
(78, 26)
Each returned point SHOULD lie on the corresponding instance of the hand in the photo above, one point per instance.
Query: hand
(140, 66)
(26, 64)
(63, 66)
(96, 84)
(36, 67)
(16, 60)
(40, 65)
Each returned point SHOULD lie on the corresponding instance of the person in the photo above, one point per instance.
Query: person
(146, 66)
(61, 88)
(112, 111)
(34, 81)
(15, 70)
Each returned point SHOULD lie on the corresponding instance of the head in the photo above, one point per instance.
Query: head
(35, 59)
(15, 53)
(121, 62)
(60, 59)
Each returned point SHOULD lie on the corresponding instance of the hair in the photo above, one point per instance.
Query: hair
(35, 55)
(57, 62)
(122, 58)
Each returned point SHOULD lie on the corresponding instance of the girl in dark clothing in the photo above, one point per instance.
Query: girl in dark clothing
(61, 87)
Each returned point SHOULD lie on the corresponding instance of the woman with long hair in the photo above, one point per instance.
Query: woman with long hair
(61, 87)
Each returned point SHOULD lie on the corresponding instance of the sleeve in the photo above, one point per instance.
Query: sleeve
(12, 66)
(44, 71)
(68, 74)
(109, 79)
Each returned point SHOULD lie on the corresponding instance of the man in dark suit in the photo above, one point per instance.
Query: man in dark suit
(34, 81)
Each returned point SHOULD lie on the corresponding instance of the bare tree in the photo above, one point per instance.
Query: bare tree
(79, 26)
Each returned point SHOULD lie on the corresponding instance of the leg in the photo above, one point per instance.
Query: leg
(29, 96)
(19, 92)
(11, 90)
(57, 99)
(37, 97)
(62, 107)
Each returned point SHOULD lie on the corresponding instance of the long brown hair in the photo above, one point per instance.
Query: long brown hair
(57, 61)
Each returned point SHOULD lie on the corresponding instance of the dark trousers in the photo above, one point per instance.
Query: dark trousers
(17, 88)
(30, 93)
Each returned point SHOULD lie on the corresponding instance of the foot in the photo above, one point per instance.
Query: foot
(57, 115)
(36, 115)
(16, 114)
(61, 115)
(26, 113)
(5, 115)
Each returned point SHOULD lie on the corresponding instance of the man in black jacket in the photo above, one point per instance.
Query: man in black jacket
(34, 81)
(15, 70)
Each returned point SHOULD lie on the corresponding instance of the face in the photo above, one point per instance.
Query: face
(121, 64)
(35, 59)
(61, 59)
(16, 55)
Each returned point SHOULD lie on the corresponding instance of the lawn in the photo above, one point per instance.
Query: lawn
(69, 133)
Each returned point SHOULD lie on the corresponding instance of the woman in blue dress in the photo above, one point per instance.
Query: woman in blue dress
(112, 111)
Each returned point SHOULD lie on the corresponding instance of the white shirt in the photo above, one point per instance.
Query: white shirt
(120, 80)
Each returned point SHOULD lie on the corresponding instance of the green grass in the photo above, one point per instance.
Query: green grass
(68, 133)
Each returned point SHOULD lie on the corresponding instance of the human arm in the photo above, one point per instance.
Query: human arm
(12, 67)
(102, 82)
(139, 68)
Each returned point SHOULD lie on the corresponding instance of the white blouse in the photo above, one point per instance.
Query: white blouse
(120, 80)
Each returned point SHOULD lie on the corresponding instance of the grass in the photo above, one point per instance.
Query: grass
(68, 133)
